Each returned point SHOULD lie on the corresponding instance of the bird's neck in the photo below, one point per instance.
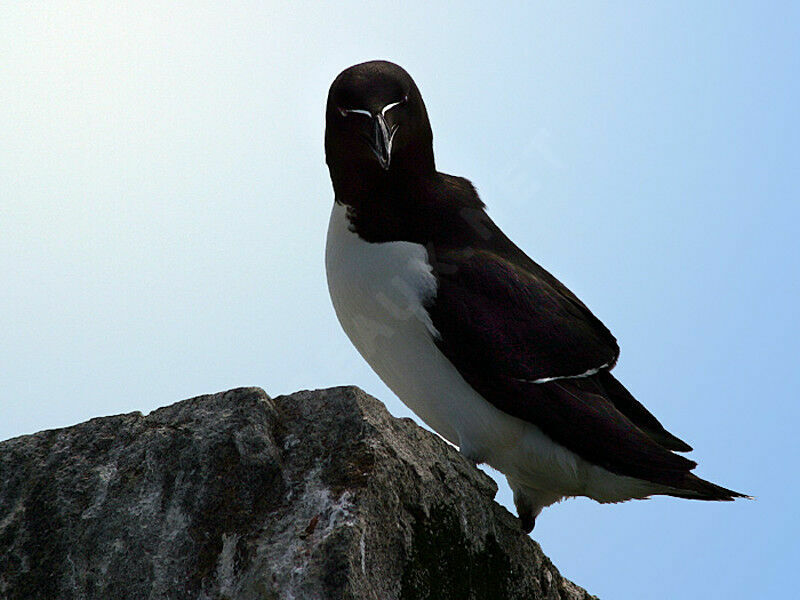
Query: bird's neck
(385, 206)
(358, 185)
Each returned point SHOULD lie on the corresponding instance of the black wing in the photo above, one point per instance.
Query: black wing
(531, 326)
(523, 341)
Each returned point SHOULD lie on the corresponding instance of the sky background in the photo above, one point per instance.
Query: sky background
(164, 202)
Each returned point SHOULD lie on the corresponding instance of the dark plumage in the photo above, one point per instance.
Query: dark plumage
(517, 335)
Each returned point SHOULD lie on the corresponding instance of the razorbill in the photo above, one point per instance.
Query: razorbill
(488, 348)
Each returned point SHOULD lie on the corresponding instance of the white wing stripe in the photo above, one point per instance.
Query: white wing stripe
(588, 373)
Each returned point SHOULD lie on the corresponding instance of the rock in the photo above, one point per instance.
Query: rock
(319, 495)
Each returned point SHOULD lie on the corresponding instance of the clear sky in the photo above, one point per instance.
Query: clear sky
(164, 202)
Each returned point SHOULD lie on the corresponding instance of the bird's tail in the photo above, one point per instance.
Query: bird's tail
(695, 488)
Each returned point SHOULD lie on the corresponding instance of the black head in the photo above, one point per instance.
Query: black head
(376, 124)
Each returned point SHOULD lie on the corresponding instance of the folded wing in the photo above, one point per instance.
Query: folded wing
(532, 349)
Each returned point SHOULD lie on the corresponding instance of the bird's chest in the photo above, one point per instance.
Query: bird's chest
(379, 291)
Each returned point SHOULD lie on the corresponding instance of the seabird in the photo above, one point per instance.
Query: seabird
(484, 345)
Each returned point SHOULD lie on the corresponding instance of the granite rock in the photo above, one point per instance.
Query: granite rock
(319, 494)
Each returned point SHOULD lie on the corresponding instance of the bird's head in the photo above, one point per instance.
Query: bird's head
(376, 122)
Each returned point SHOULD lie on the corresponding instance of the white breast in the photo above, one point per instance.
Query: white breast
(378, 291)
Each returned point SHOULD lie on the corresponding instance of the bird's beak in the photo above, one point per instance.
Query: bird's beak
(381, 140)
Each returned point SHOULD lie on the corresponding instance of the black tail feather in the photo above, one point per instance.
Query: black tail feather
(695, 488)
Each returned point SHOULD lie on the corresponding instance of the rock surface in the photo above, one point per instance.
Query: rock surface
(319, 495)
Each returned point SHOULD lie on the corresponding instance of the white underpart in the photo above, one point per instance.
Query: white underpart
(378, 290)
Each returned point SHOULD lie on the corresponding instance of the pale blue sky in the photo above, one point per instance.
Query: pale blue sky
(164, 201)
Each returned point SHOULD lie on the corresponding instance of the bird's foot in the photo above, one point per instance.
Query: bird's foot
(530, 502)
(527, 520)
